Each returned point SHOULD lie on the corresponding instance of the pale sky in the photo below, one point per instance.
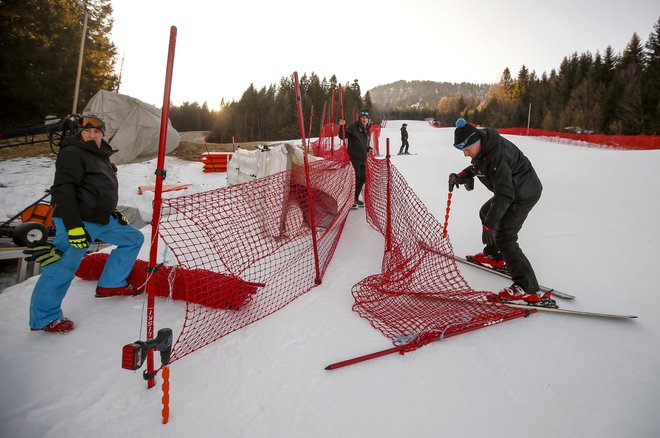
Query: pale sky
(224, 46)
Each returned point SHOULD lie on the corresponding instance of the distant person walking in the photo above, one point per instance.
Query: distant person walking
(404, 140)
(358, 135)
(85, 195)
(506, 172)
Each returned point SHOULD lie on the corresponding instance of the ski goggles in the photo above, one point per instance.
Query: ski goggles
(466, 143)
(92, 121)
(364, 113)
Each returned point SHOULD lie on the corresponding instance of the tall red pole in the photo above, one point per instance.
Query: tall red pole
(332, 120)
(160, 176)
(341, 111)
(325, 107)
(388, 224)
(311, 117)
(308, 181)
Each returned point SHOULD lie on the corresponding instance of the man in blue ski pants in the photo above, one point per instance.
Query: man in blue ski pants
(85, 195)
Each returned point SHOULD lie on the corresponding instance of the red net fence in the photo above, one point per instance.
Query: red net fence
(633, 142)
(420, 296)
(259, 233)
(245, 251)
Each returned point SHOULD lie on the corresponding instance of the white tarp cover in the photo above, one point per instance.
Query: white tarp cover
(132, 126)
(247, 165)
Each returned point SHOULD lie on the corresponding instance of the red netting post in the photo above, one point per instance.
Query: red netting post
(425, 339)
(332, 121)
(444, 227)
(321, 133)
(160, 176)
(388, 223)
(308, 181)
(311, 117)
(341, 111)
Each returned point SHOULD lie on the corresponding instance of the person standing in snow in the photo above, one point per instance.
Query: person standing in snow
(358, 135)
(404, 140)
(506, 172)
(85, 194)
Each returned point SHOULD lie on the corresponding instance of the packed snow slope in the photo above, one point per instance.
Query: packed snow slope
(594, 234)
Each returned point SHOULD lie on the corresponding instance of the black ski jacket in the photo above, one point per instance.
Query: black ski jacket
(85, 187)
(357, 138)
(404, 133)
(506, 172)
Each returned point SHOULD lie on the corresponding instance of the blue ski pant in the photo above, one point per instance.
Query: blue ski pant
(52, 286)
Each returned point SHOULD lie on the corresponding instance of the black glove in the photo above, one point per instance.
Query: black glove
(120, 217)
(44, 254)
(488, 236)
(456, 180)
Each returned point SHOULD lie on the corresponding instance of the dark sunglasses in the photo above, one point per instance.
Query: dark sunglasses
(462, 145)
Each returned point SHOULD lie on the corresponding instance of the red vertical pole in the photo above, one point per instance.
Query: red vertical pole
(160, 176)
(311, 117)
(332, 121)
(321, 142)
(341, 111)
(388, 225)
(308, 181)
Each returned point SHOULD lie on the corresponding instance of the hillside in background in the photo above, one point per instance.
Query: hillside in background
(417, 94)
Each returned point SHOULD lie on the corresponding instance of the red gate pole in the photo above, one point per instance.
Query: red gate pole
(424, 340)
(311, 117)
(388, 225)
(341, 111)
(322, 147)
(308, 181)
(332, 121)
(160, 176)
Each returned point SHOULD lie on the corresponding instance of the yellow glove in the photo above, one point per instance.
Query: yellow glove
(78, 237)
(44, 254)
(120, 217)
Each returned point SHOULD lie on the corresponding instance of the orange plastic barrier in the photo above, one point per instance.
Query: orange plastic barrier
(636, 142)
(215, 161)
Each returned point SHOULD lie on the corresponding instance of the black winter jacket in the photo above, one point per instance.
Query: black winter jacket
(506, 172)
(357, 138)
(85, 187)
(404, 133)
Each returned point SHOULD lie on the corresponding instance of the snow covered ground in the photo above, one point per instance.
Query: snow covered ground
(594, 234)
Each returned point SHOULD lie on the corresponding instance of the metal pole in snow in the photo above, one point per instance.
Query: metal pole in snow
(160, 176)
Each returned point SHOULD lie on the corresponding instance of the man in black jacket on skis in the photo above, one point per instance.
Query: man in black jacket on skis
(506, 172)
(358, 135)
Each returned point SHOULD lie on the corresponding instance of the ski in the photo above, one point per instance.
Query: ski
(505, 274)
(499, 302)
(402, 155)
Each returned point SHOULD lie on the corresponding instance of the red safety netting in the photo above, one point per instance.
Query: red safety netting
(259, 232)
(328, 144)
(420, 296)
(636, 142)
(245, 251)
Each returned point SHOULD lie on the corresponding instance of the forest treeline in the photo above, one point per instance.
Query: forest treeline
(601, 92)
(39, 49)
(271, 112)
(607, 93)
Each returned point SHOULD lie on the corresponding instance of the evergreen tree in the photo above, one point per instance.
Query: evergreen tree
(651, 81)
(39, 48)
